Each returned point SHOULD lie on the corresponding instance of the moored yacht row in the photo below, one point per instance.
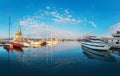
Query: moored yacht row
(102, 43)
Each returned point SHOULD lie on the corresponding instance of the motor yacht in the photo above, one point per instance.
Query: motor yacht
(95, 44)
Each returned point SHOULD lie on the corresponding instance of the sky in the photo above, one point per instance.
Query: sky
(60, 18)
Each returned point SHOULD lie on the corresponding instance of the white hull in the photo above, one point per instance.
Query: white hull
(36, 43)
(115, 45)
(96, 46)
(26, 44)
(49, 42)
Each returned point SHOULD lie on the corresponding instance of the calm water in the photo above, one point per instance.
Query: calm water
(65, 58)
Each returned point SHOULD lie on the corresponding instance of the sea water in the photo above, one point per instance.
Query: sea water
(63, 59)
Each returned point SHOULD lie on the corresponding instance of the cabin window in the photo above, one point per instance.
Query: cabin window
(112, 40)
(117, 42)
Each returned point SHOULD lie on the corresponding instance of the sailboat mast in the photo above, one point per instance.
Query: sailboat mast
(9, 26)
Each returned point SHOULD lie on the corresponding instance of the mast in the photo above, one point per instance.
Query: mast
(9, 26)
(9, 39)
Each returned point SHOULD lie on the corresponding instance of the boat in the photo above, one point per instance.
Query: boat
(117, 34)
(25, 44)
(35, 43)
(54, 41)
(95, 44)
(36, 46)
(114, 41)
(50, 42)
(46, 42)
(17, 45)
(99, 55)
(7, 45)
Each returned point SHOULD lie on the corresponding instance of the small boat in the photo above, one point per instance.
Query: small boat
(54, 41)
(35, 43)
(25, 44)
(96, 44)
(46, 43)
(36, 46)
(50, 42)
(8, 47)
(17, 45)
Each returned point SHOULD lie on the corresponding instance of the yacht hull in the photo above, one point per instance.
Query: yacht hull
(96, 46)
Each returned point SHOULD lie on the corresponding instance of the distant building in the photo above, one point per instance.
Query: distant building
(19, 38)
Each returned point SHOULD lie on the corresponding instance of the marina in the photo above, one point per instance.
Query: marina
(59, 37)
(59, 56)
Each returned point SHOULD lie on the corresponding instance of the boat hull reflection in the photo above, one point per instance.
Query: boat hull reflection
(17, 50)
(99, 55)
(115, 53)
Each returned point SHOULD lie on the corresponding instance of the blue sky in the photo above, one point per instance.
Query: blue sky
(69, 17)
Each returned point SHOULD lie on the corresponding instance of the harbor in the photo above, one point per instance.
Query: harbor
(59, 37)
(59, 56)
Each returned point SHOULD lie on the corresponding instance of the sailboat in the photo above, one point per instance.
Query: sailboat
(51, 41)
(8, 45)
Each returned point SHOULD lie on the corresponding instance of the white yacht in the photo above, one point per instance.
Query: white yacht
(117, 34)
(95, 44)
(114, 41)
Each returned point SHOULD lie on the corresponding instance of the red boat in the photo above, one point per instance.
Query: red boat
(17, 45)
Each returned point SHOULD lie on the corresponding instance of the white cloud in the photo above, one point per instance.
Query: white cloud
(59, 16)
(48, 7)
(68, 20)
(22, 23)
(43, 30)
(69, 16)
(92, 23)
(85, 20)
(40, 25)
(66, 11)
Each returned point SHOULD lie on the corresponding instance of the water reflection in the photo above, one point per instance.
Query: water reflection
(115, 53)
(17, 50)
(46, 54)
(63, 57)
(54, 53)
(95, 54)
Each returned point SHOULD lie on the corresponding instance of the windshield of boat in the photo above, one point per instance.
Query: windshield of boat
(93, 40)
